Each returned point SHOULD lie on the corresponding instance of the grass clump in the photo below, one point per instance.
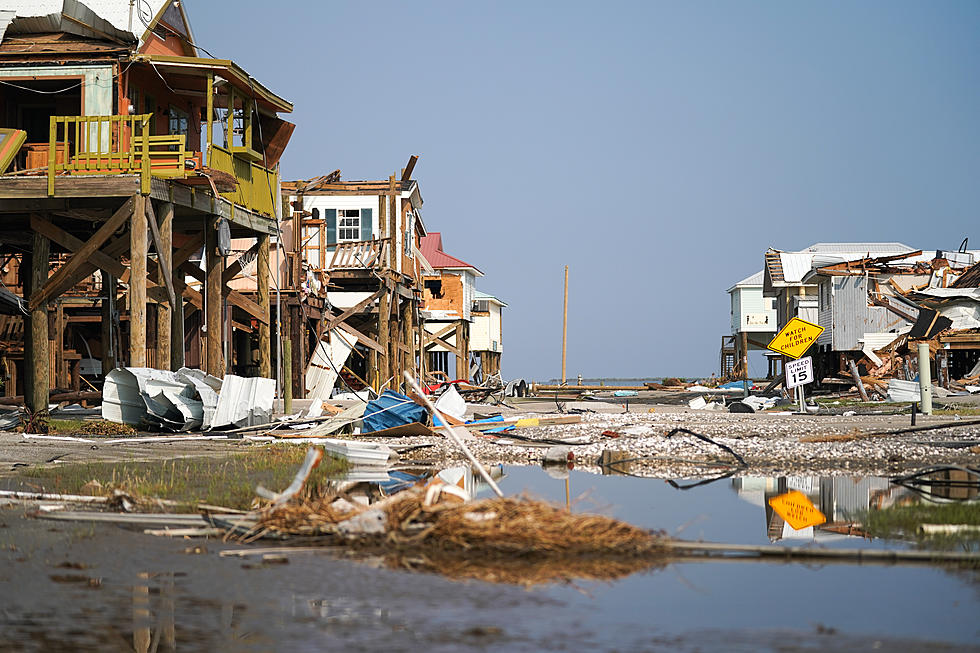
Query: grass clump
(903, 522)
(228, 481)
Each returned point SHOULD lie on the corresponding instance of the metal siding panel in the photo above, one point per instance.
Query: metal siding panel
(850, 313)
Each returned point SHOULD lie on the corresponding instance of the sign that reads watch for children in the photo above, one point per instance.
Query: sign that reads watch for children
(795, 338)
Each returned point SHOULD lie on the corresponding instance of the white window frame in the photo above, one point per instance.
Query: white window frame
(354, 218)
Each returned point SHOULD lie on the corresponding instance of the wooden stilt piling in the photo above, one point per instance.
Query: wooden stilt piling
(265, 301)
(109, 352)
(213, 315)
(163, 344)
(37, 360)
(137, 283)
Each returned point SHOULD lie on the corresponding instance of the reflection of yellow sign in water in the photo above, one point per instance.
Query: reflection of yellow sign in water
(795, 338)
(796, 510)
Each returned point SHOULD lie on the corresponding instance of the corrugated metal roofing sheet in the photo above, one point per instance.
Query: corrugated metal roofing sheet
(6, 15)
(432, 251)
(864, 248)
(101, 16)
(482, 295)
(752, 280)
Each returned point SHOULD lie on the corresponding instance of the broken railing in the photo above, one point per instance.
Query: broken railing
(360, 254)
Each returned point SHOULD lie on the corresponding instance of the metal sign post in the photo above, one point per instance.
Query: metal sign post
(798, 374)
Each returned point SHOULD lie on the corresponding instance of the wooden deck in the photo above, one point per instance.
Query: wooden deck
(28, 194)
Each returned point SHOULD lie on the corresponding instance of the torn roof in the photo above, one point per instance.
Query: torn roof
(789, 268)
(46, 16)
(440, 260)
(117, 20)
(969, 279)
(482, 295)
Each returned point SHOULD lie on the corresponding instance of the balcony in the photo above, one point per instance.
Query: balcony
(360, 255)
(122, 145)
(113, 145)
(258, 187)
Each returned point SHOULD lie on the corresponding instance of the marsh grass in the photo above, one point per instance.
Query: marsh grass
(902, 522)
(228, 481)
(961, 411)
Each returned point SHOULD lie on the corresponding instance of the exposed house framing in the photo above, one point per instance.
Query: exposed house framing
(140, 163)
(352, 263)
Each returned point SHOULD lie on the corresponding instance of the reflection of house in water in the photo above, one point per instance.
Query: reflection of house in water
(840, 498)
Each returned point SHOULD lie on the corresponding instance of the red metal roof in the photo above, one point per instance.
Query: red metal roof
(432, 251)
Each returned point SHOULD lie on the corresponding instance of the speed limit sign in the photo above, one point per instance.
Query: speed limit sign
(799, 372)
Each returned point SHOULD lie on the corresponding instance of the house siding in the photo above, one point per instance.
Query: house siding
(850, 318)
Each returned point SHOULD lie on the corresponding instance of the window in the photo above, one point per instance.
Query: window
(177, 123)
(434, 286)
(348, 225)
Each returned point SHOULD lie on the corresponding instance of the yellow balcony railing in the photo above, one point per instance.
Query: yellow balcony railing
(113, 145)
(257, 186)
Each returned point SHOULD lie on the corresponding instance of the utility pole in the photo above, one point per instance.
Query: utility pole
(564, 329)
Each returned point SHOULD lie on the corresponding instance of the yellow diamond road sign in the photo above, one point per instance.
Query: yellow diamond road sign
(795, 338)
(796, 510)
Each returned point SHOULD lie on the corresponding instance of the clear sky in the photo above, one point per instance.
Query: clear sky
(657, 148)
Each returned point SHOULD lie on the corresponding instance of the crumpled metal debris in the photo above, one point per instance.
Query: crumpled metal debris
(184, 400)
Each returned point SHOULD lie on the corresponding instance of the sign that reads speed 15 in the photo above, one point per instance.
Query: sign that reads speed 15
(795, 338)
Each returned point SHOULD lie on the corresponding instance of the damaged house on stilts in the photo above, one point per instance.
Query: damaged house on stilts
(351, 278)
(130, 164)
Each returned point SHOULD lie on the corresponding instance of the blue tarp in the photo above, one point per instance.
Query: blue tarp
(391, 409)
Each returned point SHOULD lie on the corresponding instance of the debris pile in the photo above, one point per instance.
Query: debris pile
(186, 399)
(499, 526)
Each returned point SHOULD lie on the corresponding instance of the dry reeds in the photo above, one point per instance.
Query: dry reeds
(513, 528)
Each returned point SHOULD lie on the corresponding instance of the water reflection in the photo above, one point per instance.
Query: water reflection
(849, 501)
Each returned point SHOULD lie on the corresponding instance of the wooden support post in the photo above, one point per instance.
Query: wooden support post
(137, 283)
(384, 336)
(296, 273)
(265, 301)
(423, 363)
(393, 212)
(210, 113)
(462, 365)
(60, 368)
(177, 333)
(297, 334)
(397, 359)
(164, 347)
(745, 362)
(213, 315)
(108, 321)
(36, 359)
(287, 368)
(408, 337)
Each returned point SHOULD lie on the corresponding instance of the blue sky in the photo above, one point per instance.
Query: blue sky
(657, 148)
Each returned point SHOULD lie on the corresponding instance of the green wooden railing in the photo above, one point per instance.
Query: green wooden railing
(257, 186)
(113, 145)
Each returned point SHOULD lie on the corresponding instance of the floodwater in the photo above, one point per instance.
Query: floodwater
(67, 586)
